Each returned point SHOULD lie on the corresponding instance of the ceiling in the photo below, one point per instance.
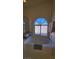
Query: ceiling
(31, 3)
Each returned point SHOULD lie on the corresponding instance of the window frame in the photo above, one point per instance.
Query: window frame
(41, 24)
(40, 30)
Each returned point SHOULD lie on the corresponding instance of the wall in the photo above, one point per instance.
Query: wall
(26, 25)
(45, 10)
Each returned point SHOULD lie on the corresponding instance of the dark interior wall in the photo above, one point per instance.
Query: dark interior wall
(53, 8)
(44, 9)
(26, 25)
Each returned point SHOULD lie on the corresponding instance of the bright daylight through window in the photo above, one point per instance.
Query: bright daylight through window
(41, 26)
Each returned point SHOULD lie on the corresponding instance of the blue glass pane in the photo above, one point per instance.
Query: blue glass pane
(41, 21)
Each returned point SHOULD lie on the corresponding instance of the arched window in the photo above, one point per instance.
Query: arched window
(41, 26)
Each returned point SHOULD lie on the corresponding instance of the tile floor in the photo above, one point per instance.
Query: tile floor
(47, 52)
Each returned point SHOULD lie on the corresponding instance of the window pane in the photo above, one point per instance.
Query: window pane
(41, 21)
(37, 29)
(44, 30)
